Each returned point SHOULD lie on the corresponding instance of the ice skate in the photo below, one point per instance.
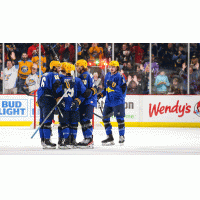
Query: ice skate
(87, 143)
(60, 141)
(48, 144)
(73, 142)
(42, 142)
(109, 141)
(121, 140)
(66, 143)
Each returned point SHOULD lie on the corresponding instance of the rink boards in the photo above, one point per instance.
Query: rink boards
(141, 111)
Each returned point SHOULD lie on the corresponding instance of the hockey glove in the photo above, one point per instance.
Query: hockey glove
(94, 90)
(75, 104)
(99, 96)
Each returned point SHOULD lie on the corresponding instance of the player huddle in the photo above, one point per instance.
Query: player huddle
(79, 97)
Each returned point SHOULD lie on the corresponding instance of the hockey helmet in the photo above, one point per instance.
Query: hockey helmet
(82, 63)
(68, 67)
(114, 63)
(55, 63)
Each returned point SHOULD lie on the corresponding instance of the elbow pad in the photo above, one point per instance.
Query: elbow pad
(123, 88)
(94, 90)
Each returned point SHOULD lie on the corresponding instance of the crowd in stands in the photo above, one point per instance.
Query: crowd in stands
(169, 70)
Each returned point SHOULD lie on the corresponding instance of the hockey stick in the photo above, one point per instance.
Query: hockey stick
(49, 114)
(104, 117)
(100, 107)
(55, 55)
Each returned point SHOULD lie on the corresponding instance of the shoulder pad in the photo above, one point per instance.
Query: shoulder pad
(84, 76)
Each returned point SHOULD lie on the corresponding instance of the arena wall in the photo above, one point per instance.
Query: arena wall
(141, 111)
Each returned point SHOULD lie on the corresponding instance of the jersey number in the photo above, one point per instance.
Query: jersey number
(84, 82)
(56, 77)
(43, 81)
(70, 92)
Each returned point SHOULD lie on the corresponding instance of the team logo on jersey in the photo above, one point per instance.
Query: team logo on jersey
(113, 84)
(109, 90)
(7, 77)
(84, 76)
(24, 69)
(31, 82)
(197, 109)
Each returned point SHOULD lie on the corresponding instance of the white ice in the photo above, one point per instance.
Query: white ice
(139, 141)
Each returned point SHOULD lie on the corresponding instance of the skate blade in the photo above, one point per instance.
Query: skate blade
(108, 144)
(66, 147)
(121, 144)
(47, 147)
(91, 146)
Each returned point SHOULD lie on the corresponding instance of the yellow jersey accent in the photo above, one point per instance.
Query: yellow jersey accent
(24, 68)
(109, 90)
(35, 59)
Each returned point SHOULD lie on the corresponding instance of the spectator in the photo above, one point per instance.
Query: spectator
(108, 51)
(161, 83)
(175, 88)
(25, 66)
(11, 47)
(154, 66)
(32, 81)
(23, 48)
(35, 59)
(67, 53)
(32, 50)
(97, 82)
(179, 57)
(194, 62)
(165, 54)
(138, 53)
(95, 52)
(128, 70)
(124, 55)
(131, 86)
(83, 51)
(10, 78)
(194, 79)
(116, 51)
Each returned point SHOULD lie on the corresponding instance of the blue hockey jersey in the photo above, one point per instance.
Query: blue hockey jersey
(72, 93)
(47, 84)
(114, 94)
(88, 82)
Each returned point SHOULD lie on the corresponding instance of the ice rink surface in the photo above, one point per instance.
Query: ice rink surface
(139, 141)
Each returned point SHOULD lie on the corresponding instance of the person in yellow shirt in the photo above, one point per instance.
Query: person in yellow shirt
(25, 66)
(35, 59)
(95, 52)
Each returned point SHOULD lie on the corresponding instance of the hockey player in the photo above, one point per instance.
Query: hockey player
(86, 108)
(115, 92)
(76, 93)
(50, 86)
